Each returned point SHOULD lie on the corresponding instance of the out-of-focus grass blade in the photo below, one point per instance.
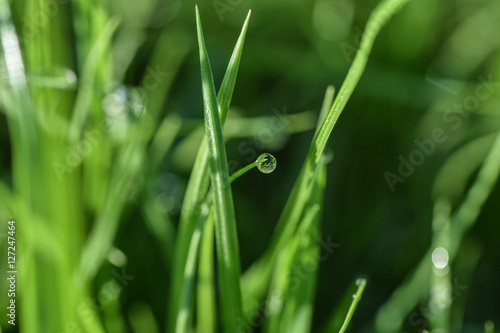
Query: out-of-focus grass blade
(284, 282)
(87, 80)
(165, 62)
(228, 260)
(98, 244)
(142, 319)
(454, 176)
(468, 212)
(157, 222)
(361, 283)
(184, 316)
(391, 315)
(489, 327)
(440, 295)
(7, 201)
(130, 162)
(198, 185)
(299, 303)
(255, 280)
(206, 299)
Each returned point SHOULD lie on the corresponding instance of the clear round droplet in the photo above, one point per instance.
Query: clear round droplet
(266, 163)
(440, 257)
(354, 296)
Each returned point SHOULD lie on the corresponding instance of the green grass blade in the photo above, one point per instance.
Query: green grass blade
(379, 17)
(298, 310)
(206, 300)
(184, 315)
(440, 296)
(142, 318)
(100, 239)
(224, 218)
(489, 327)
(391, 315)
(199, 183)
(458, 169)
(286, 285)
(468, 212)
(256, 278)
(325, 107)
(361, 283)
(84, 96)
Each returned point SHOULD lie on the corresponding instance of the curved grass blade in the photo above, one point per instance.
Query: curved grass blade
(299, 301)
(255, 280)
(356, 298)
(380, 16)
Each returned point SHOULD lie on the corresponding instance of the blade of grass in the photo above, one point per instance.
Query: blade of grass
(184, 315)
(29, 188)
(489, 327)
(391, 315)
(256, 279)
(198, 185)
(288, 262)
(440, 294)
(224, 218)
(379, 17)
(361, 283)
(299, 303)
(84, 96)
(206, 300)
(325, 107)
(99, 242)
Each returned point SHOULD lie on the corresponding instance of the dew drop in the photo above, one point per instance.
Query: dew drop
(440, 257)
(354, 296)
(266, 163)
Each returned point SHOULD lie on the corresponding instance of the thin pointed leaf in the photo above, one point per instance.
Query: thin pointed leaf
(224, 218)
(199, 183)
(355, 300)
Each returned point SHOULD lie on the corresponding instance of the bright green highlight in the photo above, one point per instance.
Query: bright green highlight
(361, 284)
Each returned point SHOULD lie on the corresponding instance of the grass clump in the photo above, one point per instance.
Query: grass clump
(98, 119)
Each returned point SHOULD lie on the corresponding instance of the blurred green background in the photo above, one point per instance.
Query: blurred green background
(426, 72)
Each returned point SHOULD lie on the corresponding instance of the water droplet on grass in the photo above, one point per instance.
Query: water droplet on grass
(266, 163)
